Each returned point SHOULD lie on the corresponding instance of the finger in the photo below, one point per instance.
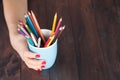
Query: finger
(31, 55)
(37, 67)
(34, 67)
(35, 62)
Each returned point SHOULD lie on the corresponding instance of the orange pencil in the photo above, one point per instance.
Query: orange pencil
(36, 25)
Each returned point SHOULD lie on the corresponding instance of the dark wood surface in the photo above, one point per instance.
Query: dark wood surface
(89, 48)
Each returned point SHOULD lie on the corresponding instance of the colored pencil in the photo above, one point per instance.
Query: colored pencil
(30, 24)
(23, 29)
(32, 32)
(59, 32)
(36, 25)
(29, 40)
(49, 41)
(34, 39)
(21, 32)
(39, 42)
(52, 38)
(58, 25)
(54, 23)
(28, 29)
(23, 25)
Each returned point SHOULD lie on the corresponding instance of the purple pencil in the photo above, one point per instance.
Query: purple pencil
(21, 32)
(23, 29)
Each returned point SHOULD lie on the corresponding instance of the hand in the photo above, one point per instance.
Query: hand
(29, 59)
(19, 43)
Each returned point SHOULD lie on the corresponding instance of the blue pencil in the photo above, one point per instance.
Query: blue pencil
(30, 24)
(29, 40)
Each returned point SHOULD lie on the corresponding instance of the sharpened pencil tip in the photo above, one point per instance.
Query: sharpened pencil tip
(64, 27)
(56, 14)
(61, 28)
(61, 19)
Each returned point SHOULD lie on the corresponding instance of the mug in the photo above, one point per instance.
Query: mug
(49, 53)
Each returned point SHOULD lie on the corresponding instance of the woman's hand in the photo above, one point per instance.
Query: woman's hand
(19, 43)
(12, 15)
(29, 59)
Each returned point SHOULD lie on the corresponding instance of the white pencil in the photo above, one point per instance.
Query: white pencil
(39, 42)
(34, 39)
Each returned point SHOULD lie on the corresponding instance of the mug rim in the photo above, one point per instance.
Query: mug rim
(43, 47)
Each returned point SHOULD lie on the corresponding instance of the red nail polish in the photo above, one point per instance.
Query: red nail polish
(37, 56)
(38, 70)
(42, 66)
(44, 62)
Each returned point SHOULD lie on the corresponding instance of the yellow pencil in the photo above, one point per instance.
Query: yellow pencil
(54, 23)
(51, 39)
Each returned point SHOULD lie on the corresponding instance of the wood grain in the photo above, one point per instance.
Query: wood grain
(89, 48)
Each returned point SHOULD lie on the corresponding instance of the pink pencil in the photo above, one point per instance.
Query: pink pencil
(58, 25)
(22, 28)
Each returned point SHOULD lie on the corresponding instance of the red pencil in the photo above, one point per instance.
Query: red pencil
(49, 41)
(46, 43)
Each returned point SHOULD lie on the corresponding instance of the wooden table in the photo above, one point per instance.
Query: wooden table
(89, 48)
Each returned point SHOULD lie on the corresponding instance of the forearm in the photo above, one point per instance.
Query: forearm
(14, 10)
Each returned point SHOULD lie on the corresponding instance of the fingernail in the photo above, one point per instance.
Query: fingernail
(38, 70)
(44, 62)
(42, 66)
(37, 56)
